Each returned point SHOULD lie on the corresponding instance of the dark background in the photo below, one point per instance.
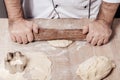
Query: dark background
(2, 10)
(118, 13)
(3, 13)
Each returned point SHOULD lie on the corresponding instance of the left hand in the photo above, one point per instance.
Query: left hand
(98, 31)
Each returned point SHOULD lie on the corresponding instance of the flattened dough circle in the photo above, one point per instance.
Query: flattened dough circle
(95, 68)
(60, 43)
(39, 67)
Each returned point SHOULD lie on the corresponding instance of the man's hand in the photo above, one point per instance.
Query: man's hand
(21, 31)
(98, 31)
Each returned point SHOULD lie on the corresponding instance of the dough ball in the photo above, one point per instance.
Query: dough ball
(60, 43)
(95, 68)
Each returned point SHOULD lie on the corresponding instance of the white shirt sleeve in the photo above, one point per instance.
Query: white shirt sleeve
(112, 1)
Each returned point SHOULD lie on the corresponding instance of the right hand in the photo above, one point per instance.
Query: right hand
(21, 31)
(98, 32)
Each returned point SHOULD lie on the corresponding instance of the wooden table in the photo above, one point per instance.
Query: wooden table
(66, 60)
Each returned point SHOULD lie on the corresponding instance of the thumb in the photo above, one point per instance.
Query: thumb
(85, 29)
(35, 28)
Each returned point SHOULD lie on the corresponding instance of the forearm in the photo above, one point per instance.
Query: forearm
(107, 12)
(14, 9)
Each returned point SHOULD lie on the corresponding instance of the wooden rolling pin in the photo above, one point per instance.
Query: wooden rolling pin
(59, 29)
(59, 34)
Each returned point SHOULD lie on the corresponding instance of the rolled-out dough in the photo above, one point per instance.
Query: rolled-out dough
(95, 68)
(38, 68)
(60, 43)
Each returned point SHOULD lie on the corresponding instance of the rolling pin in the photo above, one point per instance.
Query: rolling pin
(59, 29)
(59, 34)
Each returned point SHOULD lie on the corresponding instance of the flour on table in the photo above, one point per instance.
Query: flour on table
(80, 44)
(60, 43)
(95, 68)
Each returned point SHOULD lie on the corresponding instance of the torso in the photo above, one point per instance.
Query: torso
(65, 8)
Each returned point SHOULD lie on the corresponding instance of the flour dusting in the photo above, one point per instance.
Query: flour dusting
(80, 44)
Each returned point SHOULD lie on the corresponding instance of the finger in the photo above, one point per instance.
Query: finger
(13, 38)
(89, 38)
(94, 41)
(106, 40)
(19, 39)
(24, 39)
(100, 42)
(35, 28)
(85, 29)
(30, 36)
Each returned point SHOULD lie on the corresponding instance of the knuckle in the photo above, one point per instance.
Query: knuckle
(107, 35)
(92, 32)
(97, 35)
(100, 35)
(13, 32)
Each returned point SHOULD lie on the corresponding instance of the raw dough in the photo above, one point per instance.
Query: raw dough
(60, 43)
(95, 68)
(38, 68)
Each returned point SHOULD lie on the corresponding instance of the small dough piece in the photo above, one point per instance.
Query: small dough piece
(60, 43)
(95, 68)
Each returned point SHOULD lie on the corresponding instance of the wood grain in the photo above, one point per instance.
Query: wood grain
(55, 34)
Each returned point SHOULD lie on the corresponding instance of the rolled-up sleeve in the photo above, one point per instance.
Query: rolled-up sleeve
(112, 1)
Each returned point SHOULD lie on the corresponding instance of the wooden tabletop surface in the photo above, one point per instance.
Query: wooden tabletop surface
(66, 60)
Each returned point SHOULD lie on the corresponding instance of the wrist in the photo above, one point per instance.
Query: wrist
(15, 21)
(108, 23)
